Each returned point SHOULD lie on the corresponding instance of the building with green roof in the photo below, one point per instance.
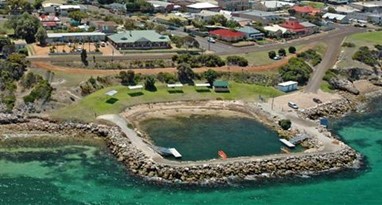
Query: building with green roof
(139, 39)
(221, 86)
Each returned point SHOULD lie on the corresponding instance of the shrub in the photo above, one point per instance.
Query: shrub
(296, 70)
(311, 56)
(366, 56)
(292, 49)
(348, 44)
(285, 124)
(237, 60)
(272, 54)
(282, 52)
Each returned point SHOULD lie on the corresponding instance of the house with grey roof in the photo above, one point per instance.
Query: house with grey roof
(139, 40)
(310, 28)
(251, 33)
(263, 17)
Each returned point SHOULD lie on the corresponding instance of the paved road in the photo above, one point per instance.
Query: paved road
(330, 58)
(135, 56)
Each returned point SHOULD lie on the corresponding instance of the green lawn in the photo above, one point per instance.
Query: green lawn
(9, 31)
(96, 104)
(324, 86)
(318, 5)
(366, 39)
(359, 39)
(262, 58)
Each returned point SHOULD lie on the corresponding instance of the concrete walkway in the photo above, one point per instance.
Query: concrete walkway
(132, 135)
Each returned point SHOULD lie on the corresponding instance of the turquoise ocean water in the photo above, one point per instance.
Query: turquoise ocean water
(89, 175)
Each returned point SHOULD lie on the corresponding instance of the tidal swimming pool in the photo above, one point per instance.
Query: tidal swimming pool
(200, 137)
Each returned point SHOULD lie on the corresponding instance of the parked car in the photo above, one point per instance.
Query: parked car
(211, 40)
(316, 100)
(292, 105)
(277, 58)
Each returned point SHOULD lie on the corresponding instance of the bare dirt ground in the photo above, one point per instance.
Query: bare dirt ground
(302, 99)
(364, 86)
(44, 51)
(48, 66)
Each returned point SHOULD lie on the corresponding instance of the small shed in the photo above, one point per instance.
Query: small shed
(287, 86)
(20, 44)
(221, 86)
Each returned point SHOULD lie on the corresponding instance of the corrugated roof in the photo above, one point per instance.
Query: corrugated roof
(138, 35)
(248, 29)
(59, 35)
(227, 33)
(204, 5)
(220, 83)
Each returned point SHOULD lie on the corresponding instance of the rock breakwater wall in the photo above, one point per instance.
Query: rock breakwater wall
(220, 172)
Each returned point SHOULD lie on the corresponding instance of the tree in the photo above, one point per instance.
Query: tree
(84, 57)
(272, 54)
(210, 75)
(41, 36)
(150, 83)
(285, 124)
(296, 70)
(4, 41)
(219, 19)
(185, 73)
(160, 28)
(129, 24)
(77, 15)
(331, 10)
(237, 60)
(127, 78)
(292, 49)
(18, 6)
(38, 4)
(232, 24)
(282, 52)
(25, 26)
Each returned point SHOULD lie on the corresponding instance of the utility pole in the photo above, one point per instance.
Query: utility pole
(273, 100)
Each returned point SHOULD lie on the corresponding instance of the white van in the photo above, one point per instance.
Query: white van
(292, 105)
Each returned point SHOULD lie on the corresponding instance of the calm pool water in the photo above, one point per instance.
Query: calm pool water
(200, 137)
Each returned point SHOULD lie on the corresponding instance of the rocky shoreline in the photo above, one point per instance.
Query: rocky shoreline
(196, 173)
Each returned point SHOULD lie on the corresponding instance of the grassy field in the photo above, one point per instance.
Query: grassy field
(262, 58)
(324, 86)
(9, 31)
(98, 103)
(318, 5)
(366, 39)
(360, 39)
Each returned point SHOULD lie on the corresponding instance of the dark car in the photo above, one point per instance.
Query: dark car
(316, 100)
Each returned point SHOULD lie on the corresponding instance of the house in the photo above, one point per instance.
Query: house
(251, 33)
(336, 18)
(221, 86)
(293, 26)
(287, 86)
(338, 1)
(107, 27)
(20, 44)
(227, 35)
(276, 5)
(305, 10)
(50, 8)
(275, 28)
(72, 37)
(375, 18)
(345, 9)
(233, 5)
(139, 39)
(206, 15)
(368, 6)
(50, 22)
(310, 28)
(162, 6)
(198, 7)
(64, 10)
(116, 8)
(263, 17)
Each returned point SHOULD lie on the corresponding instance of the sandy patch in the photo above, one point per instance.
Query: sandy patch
(44, 51)
(303, 100)
(364, 86)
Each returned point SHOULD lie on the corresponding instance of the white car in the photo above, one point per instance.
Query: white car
(211, 40)
(292, 105)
